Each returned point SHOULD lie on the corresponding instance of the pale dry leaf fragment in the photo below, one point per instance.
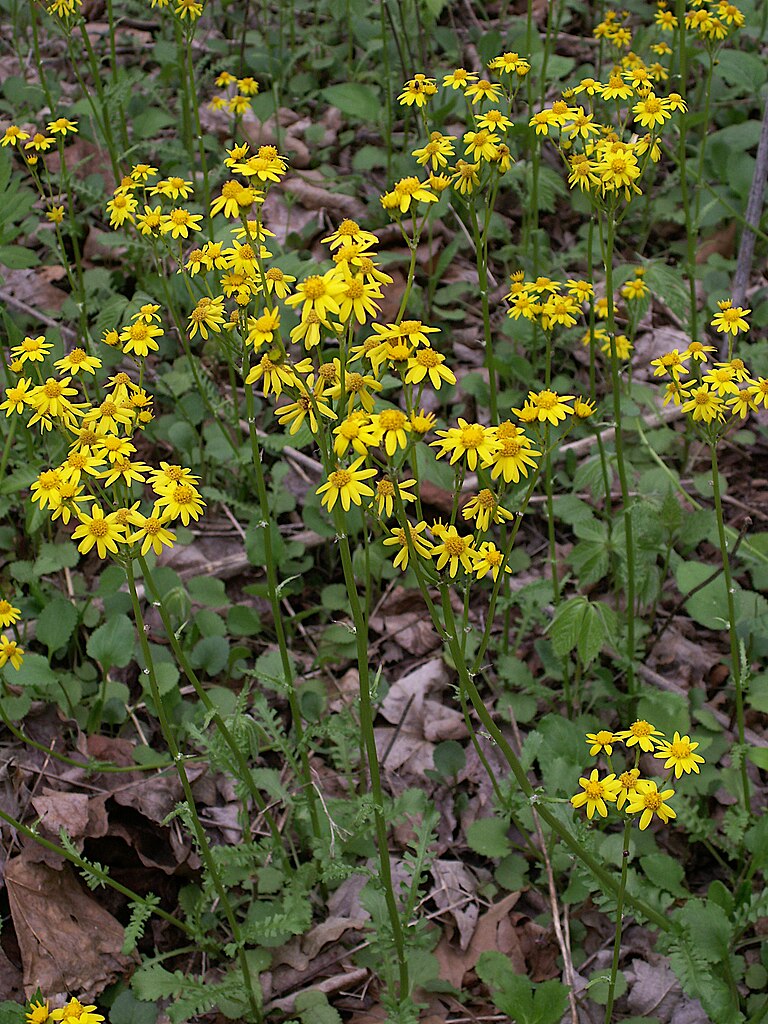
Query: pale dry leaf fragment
(57, 811)
(68, 941)
(455, 893)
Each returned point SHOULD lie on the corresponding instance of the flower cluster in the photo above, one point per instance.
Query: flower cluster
(74, 1012)
(645, 797)
(237, 94)
(712, 392)
(98, 482)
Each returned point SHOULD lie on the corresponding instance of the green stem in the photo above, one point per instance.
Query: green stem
(619, 921)
(733, 636)
(92, 869)
(601, 875)
(244, 771)
(481, 260)
(277, 616)
(202, 843)
(366, 728)
(608, 250)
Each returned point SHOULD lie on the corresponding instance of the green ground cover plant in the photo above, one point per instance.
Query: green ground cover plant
(382, 629)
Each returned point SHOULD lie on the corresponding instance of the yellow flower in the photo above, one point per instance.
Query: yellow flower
(597, 793)
(347, 486)
(172, 188)
(483, 90)
(628, 783)
(730, 319)
(78, 360)
(465, 177)
(39, 142)
(454, 550)
(12, 135)
(408, 190)
(139, 338)
(705, 404)
(436, 152)
(33, 350)
(417, 91)
(392, 427)
(484, 508)
(182, 501)
(55, 215)
(62, 126)
(404, 541)
(459, 79)
(513, 457)
(248, 86)
(679, 754)
(305, 406)
(179, 222)
(601, 741)
(9, 614)
(427, 361)
(10, 651)
(472, 440)
(121, 208)
(550, 407)
(385, 494)
(207, 315)
(647, 801)
(98, 530)
(488, 558)
(189, 7)
(641, 733)
(151, 532)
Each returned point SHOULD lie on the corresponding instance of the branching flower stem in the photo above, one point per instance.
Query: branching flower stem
(201, 838)
(277, 615)
(366, 729)
(619, 921)
(738, 682)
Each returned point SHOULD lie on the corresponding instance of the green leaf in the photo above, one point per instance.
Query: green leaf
(56, 623)
(15, 257)
(153, 982)
(707, 606)
(127, 1009)
(664, 872)
(208, 590)
(511, 993)
(243, 620)
(210, 654)
(449, 758)
(12, 1013)
(112, 643)
(758, 756)
(668, 283)
(599, 983)
(488, 836)
(313, 1008)
(355, 100)
(54, 557)
(739, 68)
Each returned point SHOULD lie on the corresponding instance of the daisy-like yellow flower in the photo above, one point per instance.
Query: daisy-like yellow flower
(550, 407)
(9, 614)
(75, 1013)
(13, 135)
(484, 508)
(453, 550)
(189, 7)
(481, 145)
(99, 531)
(488, 559)
(39, 143)
(319, 293)
(705, 404)
(17, 396)
(513, 457)
(385, 494)
(404, 541)
(10, 651)
(179, 222)
(650, 111)
(409, 190)
(346, 485)
(139, 338)
(357, 432)
(33, 350)
(730, 319)
(392, 427)
(38, 1013)
(62, 126)
(121, 208)
(181, 501)
(758, 391)
(628, 782)
(54, 398)
(437, 151)
(672, 363)
(646, 801)
(306, 406)
(679, 754)
(596, 794)
(55, 214)
(172, 188)
(634, 289)
(641, 733)
(208, 315)
(459, 79)
(601, 741)
(234, 199)
(428, 362)
(482, 90)
(76, 361)
(472, 441)
(417, 90)
(151, 532)
(248, 86)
